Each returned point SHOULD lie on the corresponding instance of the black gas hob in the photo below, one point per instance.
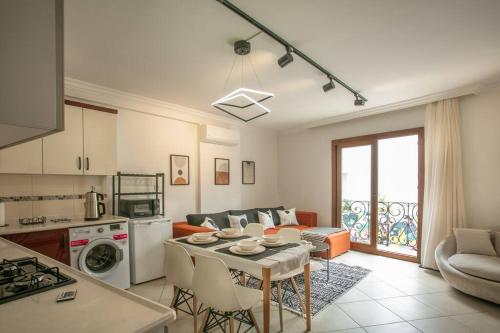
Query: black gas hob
(26, 276)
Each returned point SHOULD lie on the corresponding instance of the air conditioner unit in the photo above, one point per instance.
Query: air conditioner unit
(219, 135)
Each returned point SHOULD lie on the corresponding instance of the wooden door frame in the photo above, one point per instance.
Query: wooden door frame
(372, 140)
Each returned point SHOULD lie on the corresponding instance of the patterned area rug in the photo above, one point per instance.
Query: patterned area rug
(342, 278)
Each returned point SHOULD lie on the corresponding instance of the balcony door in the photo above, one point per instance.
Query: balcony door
(377, 192)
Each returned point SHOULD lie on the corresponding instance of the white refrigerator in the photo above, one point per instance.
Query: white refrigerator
(147, 253)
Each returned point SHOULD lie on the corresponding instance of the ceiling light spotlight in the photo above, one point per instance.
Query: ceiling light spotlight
(358, 101)
(287, 58)
(329, 86)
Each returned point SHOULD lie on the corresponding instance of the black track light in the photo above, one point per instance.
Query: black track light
(286, 59)
(329, 86)
(358, 101)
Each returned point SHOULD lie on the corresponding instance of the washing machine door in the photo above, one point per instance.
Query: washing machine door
(100, 258)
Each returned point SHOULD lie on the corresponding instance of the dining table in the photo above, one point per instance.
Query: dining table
(273, 261)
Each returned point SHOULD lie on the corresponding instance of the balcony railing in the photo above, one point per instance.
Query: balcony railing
(397, 224)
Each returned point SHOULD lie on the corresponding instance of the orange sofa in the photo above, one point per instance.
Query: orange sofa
(339, 242)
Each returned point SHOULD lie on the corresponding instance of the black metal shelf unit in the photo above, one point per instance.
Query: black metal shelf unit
(117, 192)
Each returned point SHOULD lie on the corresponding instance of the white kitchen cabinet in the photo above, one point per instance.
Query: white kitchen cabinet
(63, 151)
(99, 142)
(22, 158)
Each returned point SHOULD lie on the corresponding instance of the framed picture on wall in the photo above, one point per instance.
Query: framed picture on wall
(248, 172)
(221, 171)
(179, 170)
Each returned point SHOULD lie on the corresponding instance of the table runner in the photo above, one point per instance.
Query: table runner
(218, 242)
(287, 259)
(267, 253)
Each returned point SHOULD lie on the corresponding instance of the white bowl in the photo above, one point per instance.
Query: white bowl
(202, 235)
(230, 231)
(248, 245)
(270, 239)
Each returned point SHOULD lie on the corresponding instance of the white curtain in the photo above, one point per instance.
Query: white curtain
(444, 207)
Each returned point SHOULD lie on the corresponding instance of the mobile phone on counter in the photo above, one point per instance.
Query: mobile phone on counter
(66, 296)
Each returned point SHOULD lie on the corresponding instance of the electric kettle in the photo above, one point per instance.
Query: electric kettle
(94, 207)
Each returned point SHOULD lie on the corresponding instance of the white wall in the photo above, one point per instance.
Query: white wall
(261, 146)
(481, 158)
(216, 198)
(145, 143)
(304, 162)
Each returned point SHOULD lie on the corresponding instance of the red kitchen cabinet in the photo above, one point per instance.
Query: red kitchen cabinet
(52, 243)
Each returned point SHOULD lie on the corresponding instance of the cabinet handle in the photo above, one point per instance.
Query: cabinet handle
(79, 163)
(88, 163)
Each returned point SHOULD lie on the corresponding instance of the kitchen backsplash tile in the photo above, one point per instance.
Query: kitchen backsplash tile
(48, 195)
(16, 210)
(15, 185)
(53, 208)
(53, 185)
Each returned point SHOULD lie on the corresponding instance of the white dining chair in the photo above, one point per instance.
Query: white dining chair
(226, 302)
(291, 235)
(277, 281)
(254, 230)
(179, 271)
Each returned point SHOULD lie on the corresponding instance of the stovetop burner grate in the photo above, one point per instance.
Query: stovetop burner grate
(26, 276)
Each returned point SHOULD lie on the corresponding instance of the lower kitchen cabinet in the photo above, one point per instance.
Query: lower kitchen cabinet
(52, 243)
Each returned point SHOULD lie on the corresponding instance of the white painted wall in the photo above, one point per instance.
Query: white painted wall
(304, 158)
(145, 143)
(481, 158)
(216, 198)
(261, 146)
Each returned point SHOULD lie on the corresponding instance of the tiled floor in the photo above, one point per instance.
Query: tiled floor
(396, 297)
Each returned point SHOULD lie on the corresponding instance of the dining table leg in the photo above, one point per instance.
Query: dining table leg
(307, 285)
(266, 301)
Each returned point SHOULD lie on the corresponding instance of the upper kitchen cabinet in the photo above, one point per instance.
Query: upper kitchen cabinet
(99, 142)
(31, 70)
(23, 158)
(87, 146)
(63, 152)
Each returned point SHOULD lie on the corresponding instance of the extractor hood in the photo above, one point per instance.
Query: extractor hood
(31, 70)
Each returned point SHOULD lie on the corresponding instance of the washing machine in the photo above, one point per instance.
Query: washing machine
(102, 251)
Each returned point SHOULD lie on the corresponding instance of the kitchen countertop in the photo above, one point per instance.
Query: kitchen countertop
(14, 227)
(98, 306)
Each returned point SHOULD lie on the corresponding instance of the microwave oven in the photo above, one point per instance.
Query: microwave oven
(139, 208)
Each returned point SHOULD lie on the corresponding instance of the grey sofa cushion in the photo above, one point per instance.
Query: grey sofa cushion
(252, 215)
(274, 211)
(219, 218)
(474, 241)
(482, 266)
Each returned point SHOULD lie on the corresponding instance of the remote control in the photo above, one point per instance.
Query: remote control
(66, 296)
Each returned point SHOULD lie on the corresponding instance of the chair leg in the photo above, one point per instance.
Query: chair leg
(195, 314)
(280, 304)
(296, 289)
(174, 299)
(204, 321)
(250, 313)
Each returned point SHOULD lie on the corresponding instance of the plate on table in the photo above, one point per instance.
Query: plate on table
(275, 244)
(211, 239)
(223, 235)
(237, 250)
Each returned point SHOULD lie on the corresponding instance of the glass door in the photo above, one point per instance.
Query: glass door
(377, 192)
(397, 221)
(356, 179)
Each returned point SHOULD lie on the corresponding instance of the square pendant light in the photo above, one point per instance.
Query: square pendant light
(244, 104)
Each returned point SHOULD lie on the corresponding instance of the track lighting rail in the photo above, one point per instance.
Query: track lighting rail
(288, 46)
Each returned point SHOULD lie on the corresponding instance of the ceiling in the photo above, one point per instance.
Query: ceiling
(181, 51)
